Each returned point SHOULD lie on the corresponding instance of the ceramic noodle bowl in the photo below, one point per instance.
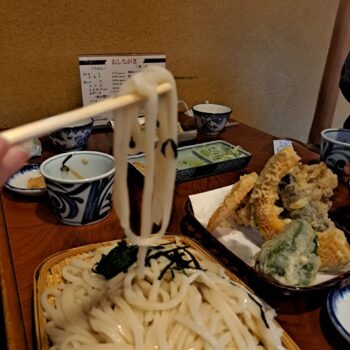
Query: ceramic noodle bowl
(79, 185)
(335, 149)
(72, 137)
(211, 118)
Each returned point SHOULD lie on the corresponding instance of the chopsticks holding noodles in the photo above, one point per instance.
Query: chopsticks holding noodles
(48, 125)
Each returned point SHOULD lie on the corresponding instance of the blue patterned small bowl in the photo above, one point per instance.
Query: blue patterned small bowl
(338, 306)
(211, 118)
(335, 149)
(72, 137)
(79, 185)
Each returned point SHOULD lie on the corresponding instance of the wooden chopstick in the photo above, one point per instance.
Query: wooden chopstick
(46, 126)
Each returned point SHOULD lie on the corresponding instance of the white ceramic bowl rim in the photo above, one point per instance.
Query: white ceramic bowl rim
(211, 108)
(76, 181)
(325, 131)
(334, 298)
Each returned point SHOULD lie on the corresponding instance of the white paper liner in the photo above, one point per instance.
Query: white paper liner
(242, 241)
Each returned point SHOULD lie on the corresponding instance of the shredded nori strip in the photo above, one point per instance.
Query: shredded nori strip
(178, 260)
(121, 257)
(262, 313)
(256, 302)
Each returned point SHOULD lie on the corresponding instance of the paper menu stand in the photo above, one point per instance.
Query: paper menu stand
(101, 76)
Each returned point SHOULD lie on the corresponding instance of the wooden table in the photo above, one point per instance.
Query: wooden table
(29, 233)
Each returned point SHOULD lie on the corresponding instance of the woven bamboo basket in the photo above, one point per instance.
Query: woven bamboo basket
(49, 275)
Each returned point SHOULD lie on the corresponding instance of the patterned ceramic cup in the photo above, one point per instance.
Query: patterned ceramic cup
(80, 185)
(335, 149)
(211, 118)
(72, 137)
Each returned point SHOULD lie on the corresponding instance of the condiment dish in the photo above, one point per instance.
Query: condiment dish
(19, 181)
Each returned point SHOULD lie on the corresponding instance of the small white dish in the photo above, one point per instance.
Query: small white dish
(19, 181)
(338, 306)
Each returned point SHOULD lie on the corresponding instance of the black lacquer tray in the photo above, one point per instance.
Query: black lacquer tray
(277, 295)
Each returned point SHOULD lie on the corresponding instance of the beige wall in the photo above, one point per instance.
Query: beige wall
(264, 58)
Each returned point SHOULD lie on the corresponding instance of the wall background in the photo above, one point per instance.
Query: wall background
(265, 59)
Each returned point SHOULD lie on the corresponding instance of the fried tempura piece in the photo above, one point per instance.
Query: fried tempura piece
(265, 193)
(334, 249)
(315, 213)
(233, 200)
(242, 215)
(306, 192)
(291, 257)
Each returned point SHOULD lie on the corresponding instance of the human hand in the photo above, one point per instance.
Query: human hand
(11, 159)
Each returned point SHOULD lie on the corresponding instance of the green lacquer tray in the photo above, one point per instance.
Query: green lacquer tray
(204, 159)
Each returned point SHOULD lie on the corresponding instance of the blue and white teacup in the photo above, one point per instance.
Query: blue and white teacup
(73, 136)
(79, 185)
(335, 149)
(211, 118)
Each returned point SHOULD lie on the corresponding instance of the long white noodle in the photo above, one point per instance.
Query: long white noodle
(160, 156)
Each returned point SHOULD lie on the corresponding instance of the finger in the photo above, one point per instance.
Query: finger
(3, 147)
(11, 162)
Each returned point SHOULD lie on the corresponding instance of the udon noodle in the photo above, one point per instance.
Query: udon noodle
(161, 123)
(197, 307)
(192, 309)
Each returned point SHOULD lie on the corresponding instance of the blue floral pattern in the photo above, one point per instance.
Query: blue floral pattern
(81, 204)
(71, 138)
(210, 124)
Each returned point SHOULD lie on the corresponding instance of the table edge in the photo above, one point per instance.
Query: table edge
(13, 319)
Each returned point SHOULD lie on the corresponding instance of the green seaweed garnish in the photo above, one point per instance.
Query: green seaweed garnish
(119, 259)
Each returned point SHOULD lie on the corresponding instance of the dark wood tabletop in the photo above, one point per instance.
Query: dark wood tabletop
(30, 233)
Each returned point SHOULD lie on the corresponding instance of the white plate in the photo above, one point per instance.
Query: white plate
(18, 182)
(338, 307)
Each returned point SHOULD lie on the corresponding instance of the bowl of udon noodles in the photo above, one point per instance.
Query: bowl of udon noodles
(181, 298)
(79, 184)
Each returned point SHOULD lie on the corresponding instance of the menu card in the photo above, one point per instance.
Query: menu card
(102, 76)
